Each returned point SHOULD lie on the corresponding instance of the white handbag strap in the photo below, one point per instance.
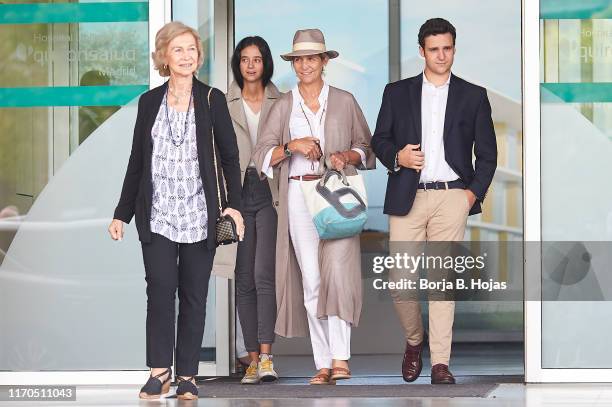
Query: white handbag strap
(212, 133)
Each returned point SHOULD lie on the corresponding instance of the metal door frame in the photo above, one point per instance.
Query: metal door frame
(534, 372)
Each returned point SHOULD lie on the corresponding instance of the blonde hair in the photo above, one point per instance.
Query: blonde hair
(163, 37)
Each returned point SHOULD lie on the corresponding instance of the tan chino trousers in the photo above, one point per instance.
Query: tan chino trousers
(435, 216)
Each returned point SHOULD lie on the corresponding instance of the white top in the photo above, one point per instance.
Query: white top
(252, 119)
(299, 120)
(178, 210)
(433, 110)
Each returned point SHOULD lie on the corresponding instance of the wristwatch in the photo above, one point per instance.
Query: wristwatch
(286, 150)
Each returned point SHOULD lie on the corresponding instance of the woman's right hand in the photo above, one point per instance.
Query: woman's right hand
(116, 229)
(307, 146)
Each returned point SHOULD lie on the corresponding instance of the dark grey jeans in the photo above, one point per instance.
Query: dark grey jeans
(255, 264)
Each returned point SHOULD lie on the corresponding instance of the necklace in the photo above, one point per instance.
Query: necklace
(181, 137)
(303, 94)
(178, 97)
(310, 127)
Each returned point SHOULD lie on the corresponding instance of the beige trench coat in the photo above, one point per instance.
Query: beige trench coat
(225, 257)
(339, 260)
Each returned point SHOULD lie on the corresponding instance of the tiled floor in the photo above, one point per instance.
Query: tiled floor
(471, 364)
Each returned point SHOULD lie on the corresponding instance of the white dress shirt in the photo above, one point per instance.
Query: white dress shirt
(301, 121)
(433, 111)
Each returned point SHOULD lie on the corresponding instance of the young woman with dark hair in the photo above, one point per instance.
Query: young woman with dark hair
(249, 99)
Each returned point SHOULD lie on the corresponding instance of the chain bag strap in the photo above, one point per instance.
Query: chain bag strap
(225, 229)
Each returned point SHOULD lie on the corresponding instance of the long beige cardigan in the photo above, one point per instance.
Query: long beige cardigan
(339, 260)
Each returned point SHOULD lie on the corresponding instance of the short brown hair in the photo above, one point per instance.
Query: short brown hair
(436, 26)
(163, 37)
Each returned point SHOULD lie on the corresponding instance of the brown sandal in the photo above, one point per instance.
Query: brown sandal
(321, 379)
(340, 373)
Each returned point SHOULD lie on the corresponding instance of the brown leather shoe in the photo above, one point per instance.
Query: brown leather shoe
(441, 375)
(413, 362)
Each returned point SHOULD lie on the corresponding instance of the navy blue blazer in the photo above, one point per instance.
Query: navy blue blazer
(467, 125)
(137, 192)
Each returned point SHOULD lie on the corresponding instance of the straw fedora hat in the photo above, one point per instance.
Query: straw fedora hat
(309, 42)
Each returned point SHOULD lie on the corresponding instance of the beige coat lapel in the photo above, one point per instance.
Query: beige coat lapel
(271, 94)
(236, 110)
(234, 105)
(333, 122)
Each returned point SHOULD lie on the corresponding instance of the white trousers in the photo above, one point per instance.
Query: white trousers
(331, 337)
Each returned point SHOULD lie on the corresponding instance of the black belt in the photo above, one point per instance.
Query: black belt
(456, 184)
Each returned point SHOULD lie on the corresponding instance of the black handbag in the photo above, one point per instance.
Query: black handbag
(225, 229)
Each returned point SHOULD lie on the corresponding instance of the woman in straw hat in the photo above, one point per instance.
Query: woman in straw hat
(318, 282)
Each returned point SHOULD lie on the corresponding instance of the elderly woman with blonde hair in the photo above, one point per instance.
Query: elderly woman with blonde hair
(170, 187)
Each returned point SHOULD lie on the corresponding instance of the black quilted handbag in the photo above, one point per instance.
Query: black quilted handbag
(225, 230)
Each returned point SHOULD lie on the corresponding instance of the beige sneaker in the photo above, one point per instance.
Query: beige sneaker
(251, 376)
(266, 369)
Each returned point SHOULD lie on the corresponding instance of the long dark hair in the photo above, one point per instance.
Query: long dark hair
(268, 63)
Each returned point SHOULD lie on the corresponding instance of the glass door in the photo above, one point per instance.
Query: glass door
(377, 42)
(568, 306)
(73, 301)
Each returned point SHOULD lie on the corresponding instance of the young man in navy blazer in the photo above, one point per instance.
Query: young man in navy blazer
(426, 130)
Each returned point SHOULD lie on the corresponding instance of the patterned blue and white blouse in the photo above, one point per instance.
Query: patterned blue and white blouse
(179, 205)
